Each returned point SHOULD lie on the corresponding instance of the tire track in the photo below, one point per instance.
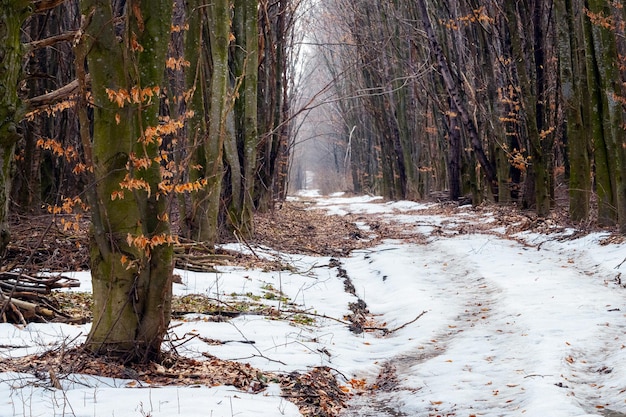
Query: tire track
(470, 299)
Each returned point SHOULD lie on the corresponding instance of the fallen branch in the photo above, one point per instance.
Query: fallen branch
(323, 316)
(18, 281)
(21, 299)
(407, 323)
(27, 310)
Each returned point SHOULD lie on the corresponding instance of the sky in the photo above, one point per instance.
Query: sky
(510, 324)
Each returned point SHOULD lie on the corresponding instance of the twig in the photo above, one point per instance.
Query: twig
(407, 323)
(324, 316)
(240, 238)
(255, 348)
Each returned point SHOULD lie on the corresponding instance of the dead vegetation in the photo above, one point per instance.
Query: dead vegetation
(297, 227)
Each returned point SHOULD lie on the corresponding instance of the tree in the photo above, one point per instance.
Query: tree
(206, 48)
(458, 105)
(246, 69)
(131, 253)
(11, 18)
(275, 94)
(601, 45)
(576, 103)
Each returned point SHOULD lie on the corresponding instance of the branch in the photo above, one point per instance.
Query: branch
(42, 43)
(407, 323)
(308, 313)
(44, 5)
(52, 97)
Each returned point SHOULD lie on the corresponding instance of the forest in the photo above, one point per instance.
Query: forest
(161, 122)
(510, 102)
(139, 138)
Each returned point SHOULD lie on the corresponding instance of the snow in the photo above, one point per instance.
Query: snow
(531, 326)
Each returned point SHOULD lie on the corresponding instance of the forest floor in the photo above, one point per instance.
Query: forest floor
(303, 226)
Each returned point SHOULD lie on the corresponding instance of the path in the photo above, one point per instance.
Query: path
(511, 329)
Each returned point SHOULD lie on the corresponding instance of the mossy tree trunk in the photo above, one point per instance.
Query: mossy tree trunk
(576, 104)
(131, 260)
(13, 14)
(197, 81)
(606, 115)
(246, 57)
(206, 48)
(219, 38)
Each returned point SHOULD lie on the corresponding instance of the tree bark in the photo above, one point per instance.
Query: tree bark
(606, 120)
(573, 75)
(206, 48)
(219, 38)
(131, 259)
(197, 81)
(246, 65)
(13, 14)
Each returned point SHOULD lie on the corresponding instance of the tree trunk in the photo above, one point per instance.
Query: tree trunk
(13, 14)
(196, 84)
(206, 47)
(573, 76)
(131, 251)
(606, 120)
(532, 98)
(455, 154)
(201, 222)
(246, 54)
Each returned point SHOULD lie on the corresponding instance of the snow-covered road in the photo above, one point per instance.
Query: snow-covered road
(529, 326)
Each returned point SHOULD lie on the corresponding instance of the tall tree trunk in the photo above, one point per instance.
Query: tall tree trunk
(206, 46)
(455, 154)
(573, 75)
(131, 258)
(196, 221)
(606, 117)
(532, 98)
(276, 27)
(246, 28)
(219, 37)
(13, 14)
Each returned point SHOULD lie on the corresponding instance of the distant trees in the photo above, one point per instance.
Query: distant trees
(502, 101)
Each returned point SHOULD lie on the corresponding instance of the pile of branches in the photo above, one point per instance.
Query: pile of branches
(23, 298)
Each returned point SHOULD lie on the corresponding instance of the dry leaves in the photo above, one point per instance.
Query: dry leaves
(316, 393)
